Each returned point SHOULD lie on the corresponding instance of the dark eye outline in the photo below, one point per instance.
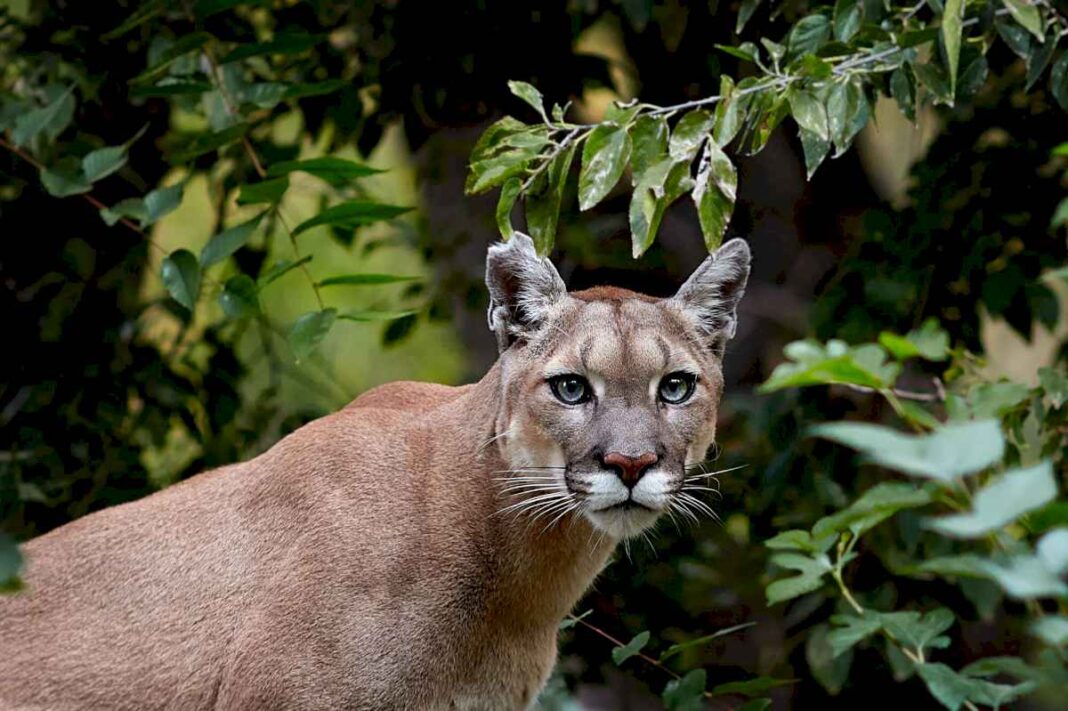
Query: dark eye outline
(557, 380)
(691, 386)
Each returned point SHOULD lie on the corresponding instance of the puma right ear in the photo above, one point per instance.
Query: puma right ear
(522, 287)
(712, 293)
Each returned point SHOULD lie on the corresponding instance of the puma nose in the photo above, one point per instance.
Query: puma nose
(630, 469)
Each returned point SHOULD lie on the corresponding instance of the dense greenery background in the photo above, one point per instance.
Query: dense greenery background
(245, 294)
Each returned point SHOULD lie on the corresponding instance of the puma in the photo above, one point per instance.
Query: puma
(417, 549)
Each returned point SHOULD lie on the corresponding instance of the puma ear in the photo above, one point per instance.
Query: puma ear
(712, 292)
(522, 288)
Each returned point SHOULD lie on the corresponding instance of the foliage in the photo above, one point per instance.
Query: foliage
(948, 528)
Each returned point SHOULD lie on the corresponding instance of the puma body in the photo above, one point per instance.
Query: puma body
(416, 550)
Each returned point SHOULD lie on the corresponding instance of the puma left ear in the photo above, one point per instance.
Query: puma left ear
(522, 287)
(712, 292)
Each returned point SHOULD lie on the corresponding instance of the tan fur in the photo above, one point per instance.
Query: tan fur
(374, 559)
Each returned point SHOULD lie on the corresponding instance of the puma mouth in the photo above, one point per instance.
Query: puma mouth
(628, 505)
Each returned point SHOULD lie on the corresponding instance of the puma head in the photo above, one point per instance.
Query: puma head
(609, 397)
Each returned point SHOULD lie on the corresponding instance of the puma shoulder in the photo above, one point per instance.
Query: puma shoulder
(408, 396)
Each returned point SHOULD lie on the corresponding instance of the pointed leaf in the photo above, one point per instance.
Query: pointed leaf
(352, 214)
(604, 156)
(714, 193)
(228, 241)
(687, 693)
(365, 316)
(1025, 12)
(649, 137)
(365, 279)
(63, 184)
(528, 93)
(544, 199)
(239, 297)
(339, 172)
(505, 204)
(952, 22)
(280, 269)
(848, 16)
(161, 202)
(49, 120)
(103, 162)
(1001, 502)
(265, 191)
(309, 331)
(181, 276)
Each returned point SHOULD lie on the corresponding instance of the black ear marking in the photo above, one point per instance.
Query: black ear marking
(712, 292)
(522, 287)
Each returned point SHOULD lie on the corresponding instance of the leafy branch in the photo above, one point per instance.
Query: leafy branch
(826, 74)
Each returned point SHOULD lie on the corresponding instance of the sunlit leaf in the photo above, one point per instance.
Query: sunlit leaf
(336, 171)
(505, 204)
(811, 363)
(542, 201)
(351, 214)
(952, 21)
(365, 279)
(1026, 13)
(1001, 502)
(954, 450)
(529, 94)
(811, 570)
(649, 137)
(714, 193)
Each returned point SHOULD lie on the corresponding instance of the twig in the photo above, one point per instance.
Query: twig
(644, 657)
(938, 396)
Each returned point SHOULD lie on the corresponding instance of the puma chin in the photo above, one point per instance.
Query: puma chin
(610, 397)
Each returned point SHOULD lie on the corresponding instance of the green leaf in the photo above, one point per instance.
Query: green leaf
(171, 86)
(1055, 385)
(950, 452)
(265, 191)
(529, 94)
(130, 207)
(690, 132)
(280, 269)
(811, 571)
(181, 276)
(485, 174)
(967, 565)
(829, 669)
(809, 112)
(807, 36)
(929, 341)
(848, 16)
(161, 202)
(815, 150)
(997, 399)
(994, 666)
(318, 88)
(687, 693)
(505, 204)
(145, 12)
(751, 687)
(1025, 577)
(572, 620)
(365, 279)
(1052, 550)
(64, 184)
(952, 24)
(228, 241)
(714, 193)
(178, 49)
(800, 540)
(102, 162)
(934, 79)
(745, 12)
(10, 564)
(494, 136)
(352, 214)
(952, 690)
(811, 363)
(542, 201)
(1051, 629)
(903, 90)
(281, 43)
(730, 111)
(1038, 60)
(1025, 12)
(338, 172)
(873, 507)
(1058, 81)
(207, 142)
(49, 120)
(309, 330)
(850, 631)
(207, 8)
(1017, 38)
(631, 648)
(746, 51)
(1001, 502)
(755, 705)
(649, 138)
(700, 641)
(604, 157)
(239, 297)
(916, 631)
(370, 315)
(847, 114)
(660, 185)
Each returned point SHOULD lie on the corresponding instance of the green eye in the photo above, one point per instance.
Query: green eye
(677, 388)
(570, 389)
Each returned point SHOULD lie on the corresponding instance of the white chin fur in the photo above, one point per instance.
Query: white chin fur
(622, 523)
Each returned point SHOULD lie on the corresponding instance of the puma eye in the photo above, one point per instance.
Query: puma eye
(570, 389)
(676, 388)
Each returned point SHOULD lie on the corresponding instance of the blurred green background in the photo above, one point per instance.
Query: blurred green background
(112, 390)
